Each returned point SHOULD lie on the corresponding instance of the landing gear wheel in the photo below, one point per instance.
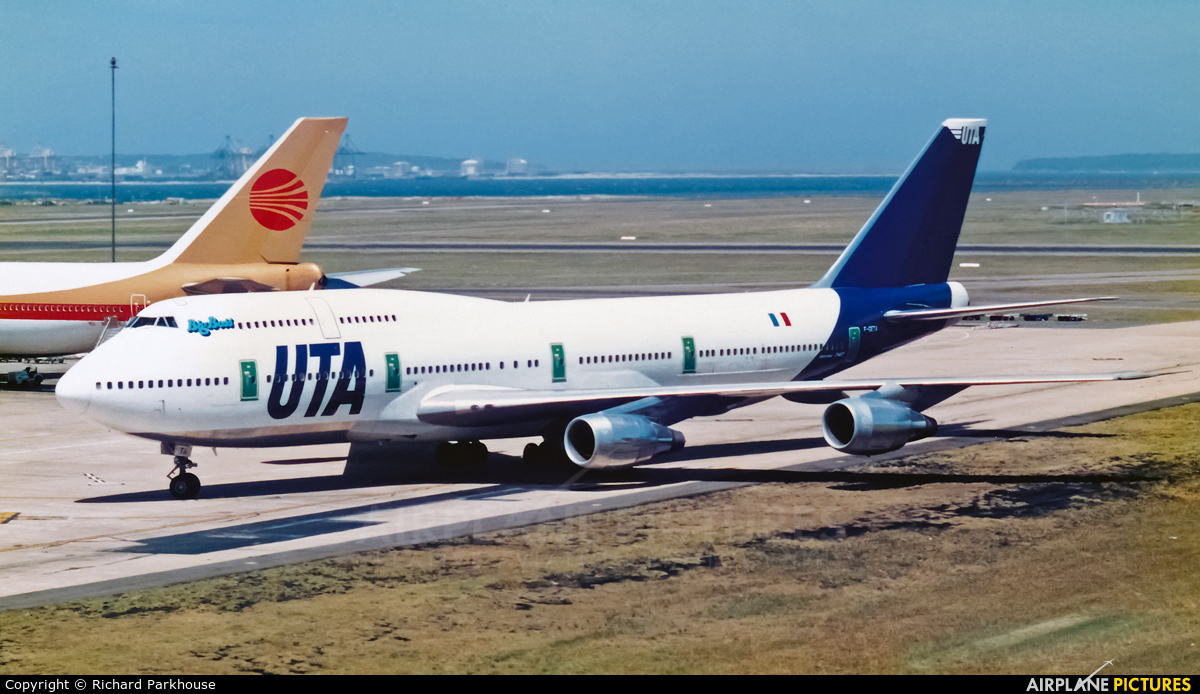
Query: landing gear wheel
(461, 453)
(545, 455)
(185, 486)
(444, 453)
(477, 452)
(532, 455)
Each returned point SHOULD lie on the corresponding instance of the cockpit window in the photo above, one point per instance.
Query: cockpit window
(161, 321)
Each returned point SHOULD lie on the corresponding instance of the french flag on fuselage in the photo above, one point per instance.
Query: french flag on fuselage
(775, 321)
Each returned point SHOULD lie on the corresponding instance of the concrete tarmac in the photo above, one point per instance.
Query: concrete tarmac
(85, 512)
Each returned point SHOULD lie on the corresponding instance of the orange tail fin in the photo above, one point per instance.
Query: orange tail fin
(265, 216)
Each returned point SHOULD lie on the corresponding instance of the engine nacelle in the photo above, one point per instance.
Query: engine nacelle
(871, 424)
(599, 441)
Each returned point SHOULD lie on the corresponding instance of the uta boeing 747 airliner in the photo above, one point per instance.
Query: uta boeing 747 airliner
(248, 241)
(602, 380)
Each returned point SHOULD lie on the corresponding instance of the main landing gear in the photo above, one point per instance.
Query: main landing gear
(546, 455)
(549, 453)
(461, 453)
(184, 485)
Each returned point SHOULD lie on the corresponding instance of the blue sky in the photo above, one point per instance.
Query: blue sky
(609, 85)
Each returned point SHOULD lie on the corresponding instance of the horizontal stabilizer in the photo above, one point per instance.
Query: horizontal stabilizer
(483, 406)
(366, 278)
(945, 313)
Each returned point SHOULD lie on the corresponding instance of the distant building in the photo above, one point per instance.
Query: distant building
(7, 154)
(88, 169)
(139, 170)
(516, 167)
(48, 160)
(470, 167)
(1116, 216)
(398, 169)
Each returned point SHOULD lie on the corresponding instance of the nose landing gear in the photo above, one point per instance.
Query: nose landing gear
(184, 485)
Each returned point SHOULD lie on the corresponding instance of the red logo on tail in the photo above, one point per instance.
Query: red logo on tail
(278, 199)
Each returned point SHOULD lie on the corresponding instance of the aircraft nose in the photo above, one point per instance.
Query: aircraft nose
(74, 392)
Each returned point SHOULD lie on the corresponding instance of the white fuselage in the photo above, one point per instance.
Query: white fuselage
(174, 385)
(53, 308)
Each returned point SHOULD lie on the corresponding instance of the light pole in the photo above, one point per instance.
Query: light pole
(113, 164)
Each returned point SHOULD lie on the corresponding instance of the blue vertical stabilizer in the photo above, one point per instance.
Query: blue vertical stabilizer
(911, 237)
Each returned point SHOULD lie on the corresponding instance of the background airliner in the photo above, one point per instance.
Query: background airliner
(249, 240)
(602, 380)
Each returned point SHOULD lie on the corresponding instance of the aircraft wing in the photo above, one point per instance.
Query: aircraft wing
(366, 278)
(467, 405)
(944, 313)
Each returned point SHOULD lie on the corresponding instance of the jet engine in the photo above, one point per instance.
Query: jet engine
(601, 441)
(871, 424)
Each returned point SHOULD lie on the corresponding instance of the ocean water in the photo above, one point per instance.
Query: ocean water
(685, 186)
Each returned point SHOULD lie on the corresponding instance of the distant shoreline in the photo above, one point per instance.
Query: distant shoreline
(697, 186)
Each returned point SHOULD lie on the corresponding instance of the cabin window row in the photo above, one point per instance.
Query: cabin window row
(170, 383)
(248, 325)
(458, 368)
(322, 376)
(611, 358)
(64, 308)
(367, 319)
(742, 351)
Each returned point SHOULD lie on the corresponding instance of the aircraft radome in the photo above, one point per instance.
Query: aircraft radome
(602, 380)
(248, 241)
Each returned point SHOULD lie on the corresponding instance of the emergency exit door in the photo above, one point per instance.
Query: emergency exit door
(852, 347)
(249, 379)
(689, 355)
(393, 372)
(558, 362)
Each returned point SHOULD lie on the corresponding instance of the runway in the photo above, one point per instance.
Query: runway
(632, 246)
(85, 511)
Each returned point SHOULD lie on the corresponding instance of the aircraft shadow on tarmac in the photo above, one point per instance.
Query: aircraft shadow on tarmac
(963, 430)
(340, 520)
(46, 387)
(506, 475)
(511, 472)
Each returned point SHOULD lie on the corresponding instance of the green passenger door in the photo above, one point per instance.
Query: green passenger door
(689, 355)
(393, 372)
(249, 379)
(852, 348)
(558, 359)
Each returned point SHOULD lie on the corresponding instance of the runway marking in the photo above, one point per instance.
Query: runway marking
(495, 495)
(722, 248)
(6, 516)
(87, 220)
(96, 480)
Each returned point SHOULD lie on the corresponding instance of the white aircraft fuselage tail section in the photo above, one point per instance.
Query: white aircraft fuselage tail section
(601, 380)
